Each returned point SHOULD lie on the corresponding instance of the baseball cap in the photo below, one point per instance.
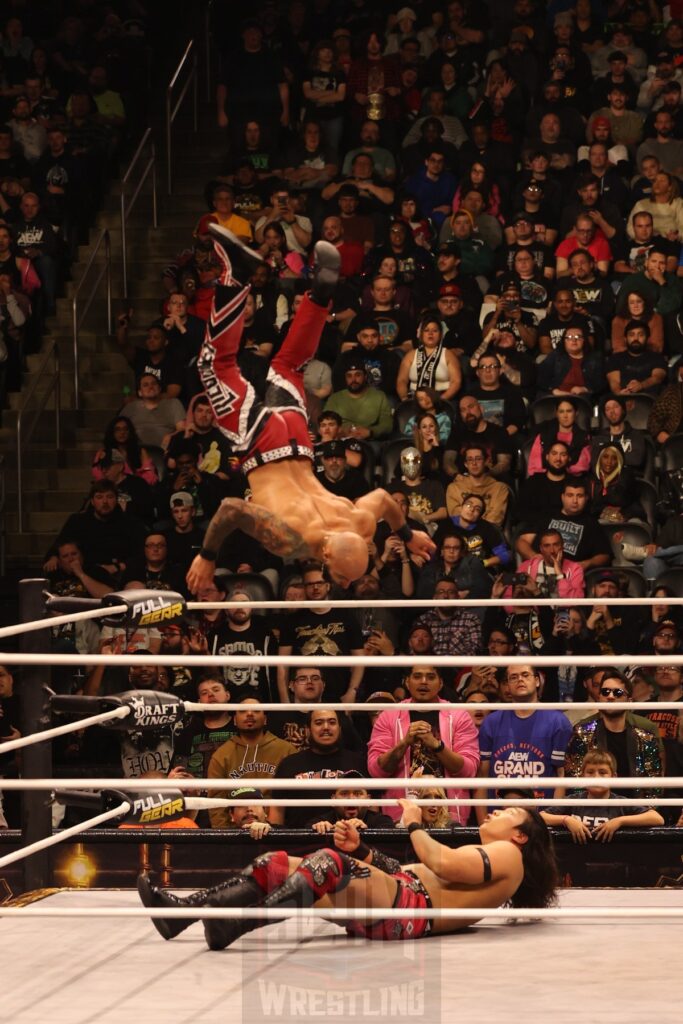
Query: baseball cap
(449, 289)
(602, 121)
(608, 576)
(449, 248)
(616, 87)
(334, 450)
(406, 12)
(352, 773)
(664, 55)
(246, 793)
(354, 363)
(617, 55)
(520, 216)
(182, 499)
(563, 18)
(666, 624)
(381, 697)
(365, 322)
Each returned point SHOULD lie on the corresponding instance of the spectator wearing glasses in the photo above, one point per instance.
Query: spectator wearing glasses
(484, 540)
(322, 632)
(633, 740)
(572, 368)
(455, 564)
(500, 400)
(478, 480)
(522, 744)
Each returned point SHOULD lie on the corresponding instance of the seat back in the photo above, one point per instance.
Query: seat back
(543, 409)
(257, 586)
(637, 584)
(672, 578)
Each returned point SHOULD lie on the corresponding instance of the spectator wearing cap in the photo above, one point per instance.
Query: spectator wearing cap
(365, 411)
(441, 743)
(252, 752)
(618, 74)
(359, 817)
(337, 477)
(448, 271)
(521, 234)
(671, 101)
(476, 256)
(253, 817)
(626, 126)
(611, 627)
(459, 325)
(433, 186)
(151, 357)
(381, 365)
(660, 73)
(184, 539)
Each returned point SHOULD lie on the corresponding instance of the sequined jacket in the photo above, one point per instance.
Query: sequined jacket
(643, 746)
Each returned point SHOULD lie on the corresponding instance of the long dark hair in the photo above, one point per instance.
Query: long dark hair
(541, 872)
(132, 445)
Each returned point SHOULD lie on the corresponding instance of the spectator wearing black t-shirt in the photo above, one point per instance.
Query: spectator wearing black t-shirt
(325, 758)
(152, 358)
(500, 401)
(322, 632)
(584, 540)
(473, 428)
(521, 235)
(337, 477)
(184, 539)
(252, 83)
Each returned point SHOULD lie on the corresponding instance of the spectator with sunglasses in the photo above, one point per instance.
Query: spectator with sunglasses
(631, 739)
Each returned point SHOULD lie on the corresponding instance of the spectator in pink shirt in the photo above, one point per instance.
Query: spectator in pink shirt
(440, 743)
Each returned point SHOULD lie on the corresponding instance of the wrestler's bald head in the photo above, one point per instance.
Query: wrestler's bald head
(345, 555)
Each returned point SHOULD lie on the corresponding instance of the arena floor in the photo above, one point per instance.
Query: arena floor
(70, 971)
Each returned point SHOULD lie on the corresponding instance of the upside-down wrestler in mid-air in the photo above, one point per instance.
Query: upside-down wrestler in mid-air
(291, 514)
(515, 866)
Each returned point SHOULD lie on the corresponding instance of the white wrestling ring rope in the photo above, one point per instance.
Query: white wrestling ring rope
(343, 914)
(351, 913)
(49, 622)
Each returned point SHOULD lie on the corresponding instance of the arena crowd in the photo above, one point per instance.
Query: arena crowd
(503, 356)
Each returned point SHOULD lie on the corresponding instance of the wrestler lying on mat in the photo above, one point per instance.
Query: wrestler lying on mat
(515, 865)
(292, 515)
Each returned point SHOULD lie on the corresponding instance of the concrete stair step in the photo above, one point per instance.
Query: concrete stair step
(47, 523)
(27, 547)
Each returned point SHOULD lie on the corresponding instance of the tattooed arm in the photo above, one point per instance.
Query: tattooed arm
(256, 521)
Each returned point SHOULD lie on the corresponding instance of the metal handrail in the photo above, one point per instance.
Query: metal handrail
(77, 322)
(172, 111)
(150, 166)
(24, 435)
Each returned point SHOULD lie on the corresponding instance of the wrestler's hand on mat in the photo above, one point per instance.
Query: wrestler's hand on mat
(421, 544)
(605, 833)
(200, 574)
(579, 830)
(346, 837)
(323, 827)
(412, 814)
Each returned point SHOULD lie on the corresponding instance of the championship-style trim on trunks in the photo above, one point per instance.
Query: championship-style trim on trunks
(293, 450)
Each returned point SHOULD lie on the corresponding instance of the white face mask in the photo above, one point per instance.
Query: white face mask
(411, 463)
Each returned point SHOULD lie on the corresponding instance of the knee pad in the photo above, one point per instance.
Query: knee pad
(269, 871)
(326, 871)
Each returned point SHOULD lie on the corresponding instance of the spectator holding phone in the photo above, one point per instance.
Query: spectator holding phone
(297, 228)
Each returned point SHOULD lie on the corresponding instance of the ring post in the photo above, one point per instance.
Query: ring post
(36, 812)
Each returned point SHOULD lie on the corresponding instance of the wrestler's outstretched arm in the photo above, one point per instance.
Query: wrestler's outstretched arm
(256, 521)
(468, 865)
(382, 506)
